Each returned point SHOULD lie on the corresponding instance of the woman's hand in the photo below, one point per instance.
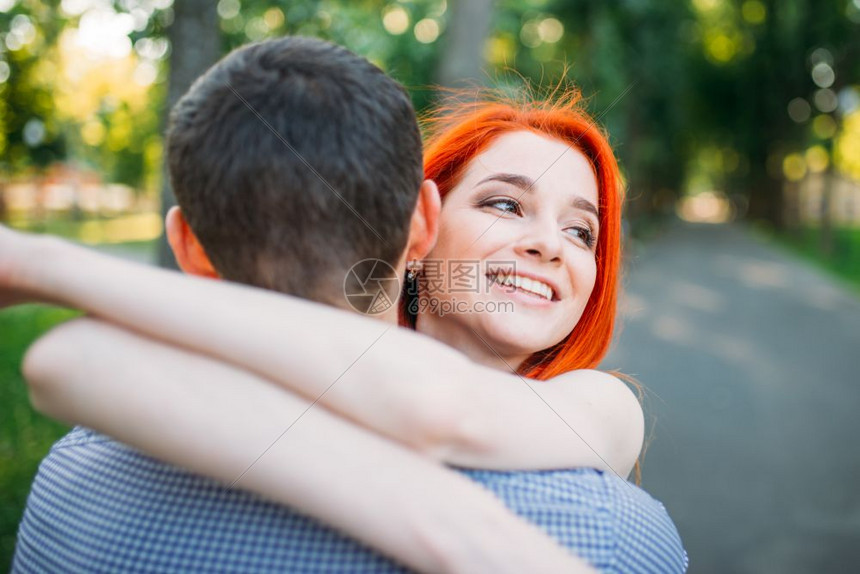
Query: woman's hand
(14, 260)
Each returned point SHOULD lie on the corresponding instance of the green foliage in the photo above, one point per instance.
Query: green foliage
(844, 260)
(355, 25)
(26, 105)
(674, 82)
(25, 435)
(634, 58)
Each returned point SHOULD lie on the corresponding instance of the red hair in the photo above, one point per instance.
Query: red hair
(459, 132)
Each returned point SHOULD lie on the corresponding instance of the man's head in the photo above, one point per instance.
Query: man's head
(291, 160)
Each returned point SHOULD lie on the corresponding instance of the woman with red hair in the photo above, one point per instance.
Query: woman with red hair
(520, 286)
(460, 133)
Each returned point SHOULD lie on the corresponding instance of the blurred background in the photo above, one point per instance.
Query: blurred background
(737, 124)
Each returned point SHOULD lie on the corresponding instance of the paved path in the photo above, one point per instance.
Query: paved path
(752, 358)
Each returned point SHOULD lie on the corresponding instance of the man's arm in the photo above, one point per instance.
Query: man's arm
(222, 422)
(436, 399)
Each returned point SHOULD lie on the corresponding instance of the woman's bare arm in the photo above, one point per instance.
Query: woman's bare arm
(222, 422)
(399, 383)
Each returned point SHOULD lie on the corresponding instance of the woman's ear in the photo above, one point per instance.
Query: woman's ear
(424, 226)
(190, 256)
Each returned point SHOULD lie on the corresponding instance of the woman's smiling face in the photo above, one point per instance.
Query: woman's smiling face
(526, 208)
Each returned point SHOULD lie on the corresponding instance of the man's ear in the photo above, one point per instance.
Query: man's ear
(424, 226)
(189, 254)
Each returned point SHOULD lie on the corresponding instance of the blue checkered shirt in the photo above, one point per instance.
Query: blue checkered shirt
(97, 505)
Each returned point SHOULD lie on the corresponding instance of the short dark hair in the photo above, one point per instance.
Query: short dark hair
(293, 159)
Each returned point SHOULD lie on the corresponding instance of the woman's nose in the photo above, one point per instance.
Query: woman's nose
(542, 242)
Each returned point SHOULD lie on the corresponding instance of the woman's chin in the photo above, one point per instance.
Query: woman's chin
(510, 335)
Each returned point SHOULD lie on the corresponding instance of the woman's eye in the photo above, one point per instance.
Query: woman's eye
(504, 204)
(584, 234)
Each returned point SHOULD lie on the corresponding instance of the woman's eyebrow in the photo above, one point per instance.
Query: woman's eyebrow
(585, 205)
(526, 184)
(523, 182)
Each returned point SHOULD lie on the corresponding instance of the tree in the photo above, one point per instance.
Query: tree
(462, 59)
(30, 137)
(195, 42)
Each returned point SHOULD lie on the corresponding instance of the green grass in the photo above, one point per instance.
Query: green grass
(25, 435)
(129, 230)
(62, 226)
(844, 261)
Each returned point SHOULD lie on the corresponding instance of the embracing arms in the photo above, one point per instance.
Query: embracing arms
(219, 421)
(399, 383)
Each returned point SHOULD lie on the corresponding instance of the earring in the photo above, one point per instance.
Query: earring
(414, 268)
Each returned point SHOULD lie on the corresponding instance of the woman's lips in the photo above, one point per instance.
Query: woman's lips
(521, 295)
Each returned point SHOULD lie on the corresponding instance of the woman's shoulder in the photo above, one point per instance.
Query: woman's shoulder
(605, 407)
(607, 388)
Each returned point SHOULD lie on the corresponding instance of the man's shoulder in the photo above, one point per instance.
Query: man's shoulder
(607, 520)
(88, 471)
(580, 488)
(80, 436)
(648, 539)
(99, 505)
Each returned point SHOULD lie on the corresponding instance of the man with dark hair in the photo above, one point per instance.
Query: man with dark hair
(335, 181)
(291, 160)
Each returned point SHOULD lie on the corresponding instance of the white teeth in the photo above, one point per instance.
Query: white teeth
(528, 285)
(531, 285)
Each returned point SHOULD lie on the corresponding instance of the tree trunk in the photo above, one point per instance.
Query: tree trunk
(3, 210)
(765, 197)
(195, 42)
(463, 53)
(826, 221)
